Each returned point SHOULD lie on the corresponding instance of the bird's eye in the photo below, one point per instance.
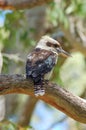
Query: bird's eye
(48, 44)
(55, 46)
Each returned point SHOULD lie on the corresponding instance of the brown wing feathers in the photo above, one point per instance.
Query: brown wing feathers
(39, 62)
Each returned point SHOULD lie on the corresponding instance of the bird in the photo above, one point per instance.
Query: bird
(41, 62)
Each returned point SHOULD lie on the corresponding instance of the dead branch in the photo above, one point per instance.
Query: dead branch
(21, 4)
(61, 99)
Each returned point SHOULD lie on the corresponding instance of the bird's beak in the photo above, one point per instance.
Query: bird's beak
(63, 52)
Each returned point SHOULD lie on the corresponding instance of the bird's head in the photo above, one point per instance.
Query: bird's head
(50, 44)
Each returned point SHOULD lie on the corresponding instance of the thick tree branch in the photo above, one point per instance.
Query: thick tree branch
(21, 4)
(72, 105)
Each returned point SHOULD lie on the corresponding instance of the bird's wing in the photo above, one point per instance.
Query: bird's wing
(39, 62)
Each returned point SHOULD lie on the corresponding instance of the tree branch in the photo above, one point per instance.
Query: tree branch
(61, 99)
(21, 4)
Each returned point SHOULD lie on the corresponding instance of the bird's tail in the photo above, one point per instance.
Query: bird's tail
(39, 90)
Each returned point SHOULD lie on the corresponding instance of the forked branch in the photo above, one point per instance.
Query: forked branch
(61, 99)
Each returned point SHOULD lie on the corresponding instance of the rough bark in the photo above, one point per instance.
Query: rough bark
(61, 99)
(21, 4)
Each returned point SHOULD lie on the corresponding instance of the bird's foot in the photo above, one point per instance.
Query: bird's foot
(45, 82)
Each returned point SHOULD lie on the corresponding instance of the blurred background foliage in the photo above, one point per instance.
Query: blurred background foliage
(19, 32)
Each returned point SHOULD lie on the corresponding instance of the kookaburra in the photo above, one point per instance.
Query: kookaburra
(41, 61)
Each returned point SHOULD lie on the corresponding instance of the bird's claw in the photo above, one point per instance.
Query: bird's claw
(45, 82)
